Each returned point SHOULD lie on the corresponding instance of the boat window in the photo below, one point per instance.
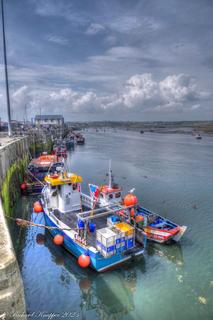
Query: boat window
(101, 195)
(118, 195)
(110, 196)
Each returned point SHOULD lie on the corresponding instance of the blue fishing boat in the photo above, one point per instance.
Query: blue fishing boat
(98, 237)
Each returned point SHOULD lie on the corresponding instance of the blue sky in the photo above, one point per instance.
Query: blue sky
(110, 60)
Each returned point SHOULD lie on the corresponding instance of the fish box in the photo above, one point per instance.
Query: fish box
(120, 240)
(130, 243)
(106, 241)
(125, 227)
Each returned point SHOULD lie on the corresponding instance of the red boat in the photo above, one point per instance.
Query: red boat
(37, 170)
(60, 151)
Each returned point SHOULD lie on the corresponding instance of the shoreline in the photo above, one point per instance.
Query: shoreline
(190, 127)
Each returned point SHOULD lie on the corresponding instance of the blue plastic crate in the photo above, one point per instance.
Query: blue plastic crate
(130, 243)
(118, 240)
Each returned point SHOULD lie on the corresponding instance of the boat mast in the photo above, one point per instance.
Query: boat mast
(110, 174)
(6, 72)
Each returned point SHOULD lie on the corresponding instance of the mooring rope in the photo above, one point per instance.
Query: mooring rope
(27, 223)
(39, 181)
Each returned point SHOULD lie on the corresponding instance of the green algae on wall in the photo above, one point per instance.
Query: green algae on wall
(10, 189)
(38, 147)
(11, 185)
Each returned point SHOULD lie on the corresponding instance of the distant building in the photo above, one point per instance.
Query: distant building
(47, 120)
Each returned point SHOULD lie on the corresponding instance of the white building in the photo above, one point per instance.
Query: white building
(46, 120)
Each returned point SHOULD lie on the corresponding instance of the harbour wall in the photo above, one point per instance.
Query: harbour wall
(13, 160)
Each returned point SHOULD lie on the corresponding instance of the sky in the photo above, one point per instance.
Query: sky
(89, 60)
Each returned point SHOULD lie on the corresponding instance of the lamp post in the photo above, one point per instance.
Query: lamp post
(6, 72)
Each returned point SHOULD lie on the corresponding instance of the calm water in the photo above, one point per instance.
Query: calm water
(173, 175)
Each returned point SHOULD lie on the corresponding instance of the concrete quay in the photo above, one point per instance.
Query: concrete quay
(12, 301)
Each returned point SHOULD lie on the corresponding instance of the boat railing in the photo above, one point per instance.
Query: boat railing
(86, 201)
(100, 212)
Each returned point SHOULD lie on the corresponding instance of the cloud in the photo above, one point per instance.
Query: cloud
(175, 92)
(128, 24)
(62, 9)
(56, 39)
(141, 93)
(110, 40)
(95, 28)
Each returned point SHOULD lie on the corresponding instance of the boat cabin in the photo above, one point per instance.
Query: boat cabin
(64, 192)
(109, 195)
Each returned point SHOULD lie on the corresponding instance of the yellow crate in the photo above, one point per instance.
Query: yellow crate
(125, 227)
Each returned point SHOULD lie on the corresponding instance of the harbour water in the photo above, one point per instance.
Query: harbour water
(173, 175)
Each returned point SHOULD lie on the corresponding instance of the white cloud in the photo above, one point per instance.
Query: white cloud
(110, 40)
(141, 92)
(63, 9)
(175, 92)
(128, 23)
(95, 28)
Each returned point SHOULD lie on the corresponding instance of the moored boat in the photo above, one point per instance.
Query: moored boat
(60, 150)
(86, 232)
(158, 228)
(37, 170)
(198, 136)
(80, 139)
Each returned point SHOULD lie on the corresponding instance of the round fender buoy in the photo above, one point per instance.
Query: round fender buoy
(58, 240)
(37, 207)
(83, 261)
(130, 200)
(139, 218)
(23, 186)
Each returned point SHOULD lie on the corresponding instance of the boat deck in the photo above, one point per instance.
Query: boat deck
(71, 220)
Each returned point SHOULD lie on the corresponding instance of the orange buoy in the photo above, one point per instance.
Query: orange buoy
(132, 212)
(37, 207)
(130, 200)
(23, 186)
(58, 240)
(84, 260)
(40, 238)
(139, 218)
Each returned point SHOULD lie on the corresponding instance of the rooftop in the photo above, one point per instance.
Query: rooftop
(48, 117)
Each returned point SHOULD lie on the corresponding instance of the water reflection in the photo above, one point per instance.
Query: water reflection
(172, 252)
(110, 294)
